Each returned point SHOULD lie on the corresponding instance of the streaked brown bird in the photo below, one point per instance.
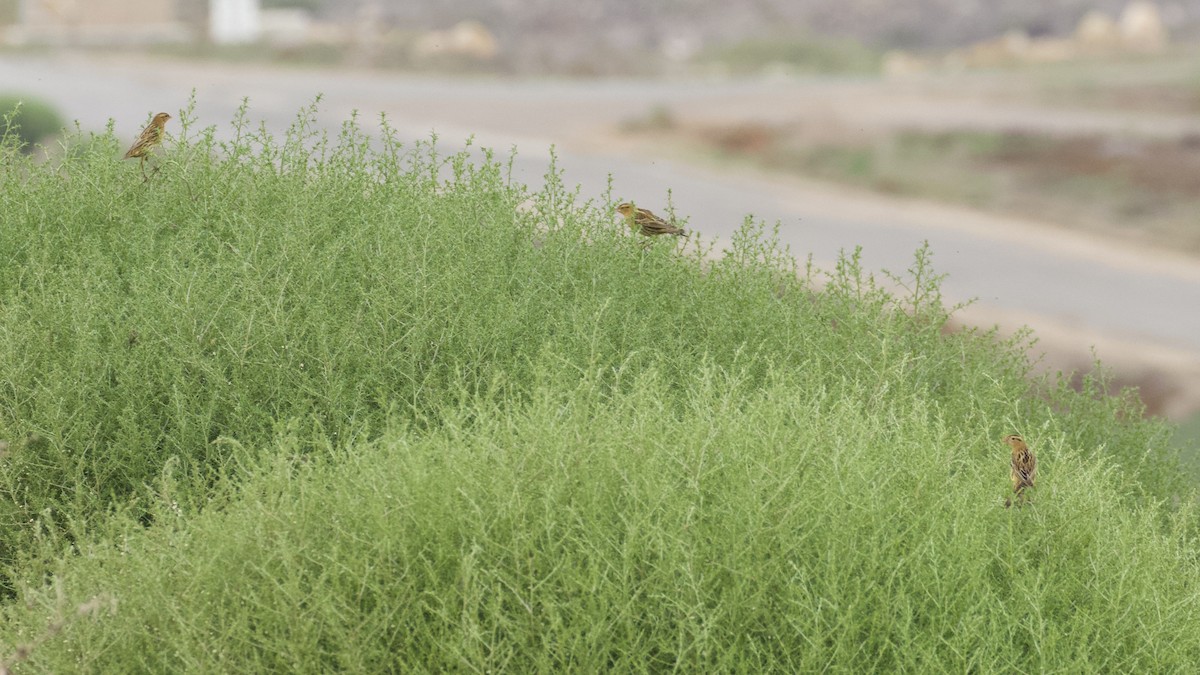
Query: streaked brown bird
(650, 225)
(146, 141)
(1024, 467)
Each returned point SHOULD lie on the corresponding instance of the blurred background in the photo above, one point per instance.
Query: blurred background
(1049, 151)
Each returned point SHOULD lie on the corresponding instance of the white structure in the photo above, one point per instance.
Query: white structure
(234, 21)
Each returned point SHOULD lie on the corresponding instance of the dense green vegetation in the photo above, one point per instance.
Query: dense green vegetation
(28, 120)
(308, 404)
(795, 53)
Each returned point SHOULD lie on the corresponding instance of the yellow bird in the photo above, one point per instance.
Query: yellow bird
(650, 225)
(150, 137)
(1024, 467)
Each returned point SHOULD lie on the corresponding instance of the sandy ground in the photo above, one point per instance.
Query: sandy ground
(1139, 308)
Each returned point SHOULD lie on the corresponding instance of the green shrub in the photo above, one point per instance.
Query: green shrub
(777, 527)
(331, 403)
(30, 120)
(802, 53)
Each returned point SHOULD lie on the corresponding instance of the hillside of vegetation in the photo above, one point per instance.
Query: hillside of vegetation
(313, 403)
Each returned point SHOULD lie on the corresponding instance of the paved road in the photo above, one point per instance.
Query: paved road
(1013, 268)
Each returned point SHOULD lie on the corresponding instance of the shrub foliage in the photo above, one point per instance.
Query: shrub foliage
(336, 402)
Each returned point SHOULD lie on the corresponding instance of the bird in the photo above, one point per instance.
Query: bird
(150, 137)
(650, 225)
(1024, 467)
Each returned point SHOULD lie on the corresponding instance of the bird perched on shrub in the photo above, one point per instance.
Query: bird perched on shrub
(650, 225)
(150, 137)
(1024, 467)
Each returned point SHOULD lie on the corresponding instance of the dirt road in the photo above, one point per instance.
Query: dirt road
(1137, 306)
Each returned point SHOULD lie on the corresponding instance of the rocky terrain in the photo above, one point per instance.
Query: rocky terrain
(557, 32)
